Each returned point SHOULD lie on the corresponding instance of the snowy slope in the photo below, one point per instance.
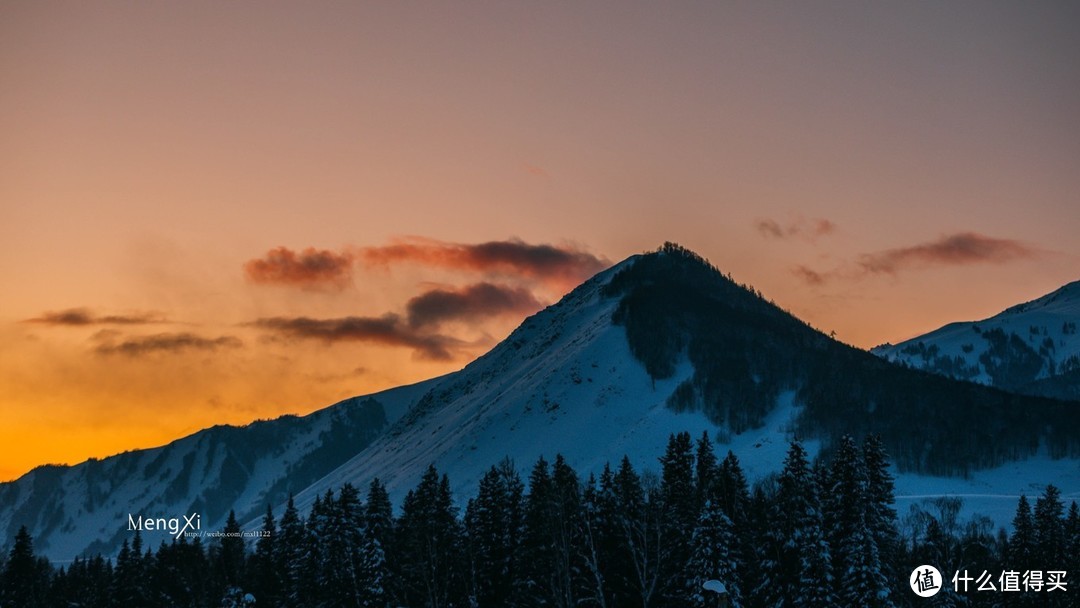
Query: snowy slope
(1016, 349)
(566, 382)
(84, 508)
(563, 382)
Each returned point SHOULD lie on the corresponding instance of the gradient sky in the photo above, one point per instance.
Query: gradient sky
(214, 212)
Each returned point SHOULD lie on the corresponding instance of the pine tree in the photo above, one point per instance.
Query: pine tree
(430, 543)
(712, 547)
(595, 591)
(797, 566)
(1050, 530)
(378, 543)
(615, 570)
(265, 568)
(24, 584)
(566, 525)
(536, 587)
(340, 571)
(292, 556)
(881, 514)
(228, 557)
(679, 514)
(850, 517)
(1072, 537)
(494, 529)
(733, 493)
(707, 470)
(1021, 547)
(638, 535)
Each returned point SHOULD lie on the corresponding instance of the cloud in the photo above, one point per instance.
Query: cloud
(310, 269)
(535, 171)
(470, 303)
(809, 275)
(959, 249)
(560, 266)
(169, 343)
(800, 227)
(950, 250)
(80, 317)
(388, 330)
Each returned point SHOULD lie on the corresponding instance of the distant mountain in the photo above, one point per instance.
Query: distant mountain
(1033, 348)
(658, 344)
(83, 509)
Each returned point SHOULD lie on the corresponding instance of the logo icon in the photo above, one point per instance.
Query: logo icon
(925, 581)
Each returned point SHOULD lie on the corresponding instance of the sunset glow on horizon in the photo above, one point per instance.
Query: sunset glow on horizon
(214, 213)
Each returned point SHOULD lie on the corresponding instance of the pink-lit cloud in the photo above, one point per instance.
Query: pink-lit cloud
(310, 268)
(560, 266)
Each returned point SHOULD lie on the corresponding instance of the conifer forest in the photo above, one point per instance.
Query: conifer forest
(819, 533)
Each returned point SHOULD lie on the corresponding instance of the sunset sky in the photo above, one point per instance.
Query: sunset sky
(216, 212)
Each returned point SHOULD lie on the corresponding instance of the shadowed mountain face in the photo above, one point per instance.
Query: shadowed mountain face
(745, 351)
(1031, 348)
(660, 343)
(84, 509)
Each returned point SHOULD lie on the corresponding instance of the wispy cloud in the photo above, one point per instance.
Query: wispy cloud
(470, 303)
(387, 330)
(535, 171)
(563, 266)
(957, 249)
(80, 317)
(135, 346)
(950, 250)
(310, 268)
(809, 229)
(808, 275)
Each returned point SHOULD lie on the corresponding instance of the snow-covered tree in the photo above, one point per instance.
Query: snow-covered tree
(712, 547)
(796, 565)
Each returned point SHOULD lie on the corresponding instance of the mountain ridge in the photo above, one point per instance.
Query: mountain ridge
(658, 344)
(1031, 348)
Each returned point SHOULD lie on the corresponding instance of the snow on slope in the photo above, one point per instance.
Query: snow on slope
(566, 382)
(84, 508)
(1046, 343)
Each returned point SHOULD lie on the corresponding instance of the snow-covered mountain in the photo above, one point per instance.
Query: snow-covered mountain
(588, 378)
(84, 509)
(1032, 347)
(658, 344)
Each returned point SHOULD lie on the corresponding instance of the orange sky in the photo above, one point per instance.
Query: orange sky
(878, 170)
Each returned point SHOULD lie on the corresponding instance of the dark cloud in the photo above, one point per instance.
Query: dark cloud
(311, 268)
(563, 266)
(77, 317)
(168, 343)
(808, 229)
(951, 250)
(389, 330)
(470, 303)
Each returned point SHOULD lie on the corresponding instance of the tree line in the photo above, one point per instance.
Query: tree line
(820, 533)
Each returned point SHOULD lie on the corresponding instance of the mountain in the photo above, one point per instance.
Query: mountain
(1032, 348)
(660, 343)
(84, 509)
